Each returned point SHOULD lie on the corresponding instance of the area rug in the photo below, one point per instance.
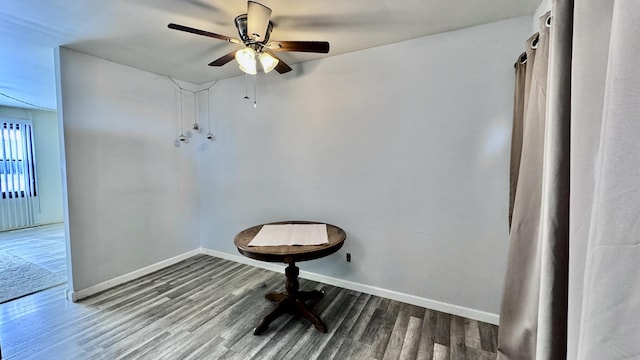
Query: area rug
(19, 277)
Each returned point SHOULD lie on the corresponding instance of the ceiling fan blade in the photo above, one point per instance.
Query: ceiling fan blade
(282, 67)
(203, 33)
(258, 17)
(223, 59)
(300, 46)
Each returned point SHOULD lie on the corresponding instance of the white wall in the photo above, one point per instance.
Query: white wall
(132, 199)
(45, 132)
(47, 151)
(405, 146)
(545, 5)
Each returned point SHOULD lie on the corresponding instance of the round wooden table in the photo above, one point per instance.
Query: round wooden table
(292, 300)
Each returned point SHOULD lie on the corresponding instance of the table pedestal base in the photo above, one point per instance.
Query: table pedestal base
(293, 302)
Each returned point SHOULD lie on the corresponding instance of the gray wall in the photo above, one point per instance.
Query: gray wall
(47, 149)
(405, 146)
(132, 197)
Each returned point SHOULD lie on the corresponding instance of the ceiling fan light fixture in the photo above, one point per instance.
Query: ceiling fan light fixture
(246, 59)
(268, 62)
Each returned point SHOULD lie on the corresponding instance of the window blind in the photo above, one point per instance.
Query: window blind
(18, 186)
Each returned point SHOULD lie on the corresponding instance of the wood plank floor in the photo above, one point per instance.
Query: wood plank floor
(206, 308)
(41, 245)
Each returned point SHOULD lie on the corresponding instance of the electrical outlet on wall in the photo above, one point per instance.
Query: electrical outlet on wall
(348, 257)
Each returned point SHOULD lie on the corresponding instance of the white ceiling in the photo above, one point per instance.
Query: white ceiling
(135, 33)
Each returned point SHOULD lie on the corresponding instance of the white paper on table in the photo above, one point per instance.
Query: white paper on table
(291, 234)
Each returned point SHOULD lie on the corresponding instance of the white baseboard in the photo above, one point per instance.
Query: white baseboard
(367, 289)
(274, 266)
(81, 294)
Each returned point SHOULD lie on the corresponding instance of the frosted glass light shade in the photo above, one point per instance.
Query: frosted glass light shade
(268, 62)
(246, 58)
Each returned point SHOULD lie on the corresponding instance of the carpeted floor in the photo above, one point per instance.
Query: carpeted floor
(19, 277)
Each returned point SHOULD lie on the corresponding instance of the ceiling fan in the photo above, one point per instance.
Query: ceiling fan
(254, 29)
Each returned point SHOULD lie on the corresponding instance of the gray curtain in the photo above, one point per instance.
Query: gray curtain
(608, 325)
(523, 77)
(553, 303)
(572, 288)
(519, 311)
(534, 305)
(592, 30)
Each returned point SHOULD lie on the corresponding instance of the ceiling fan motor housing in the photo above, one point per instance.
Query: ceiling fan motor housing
(241, 24)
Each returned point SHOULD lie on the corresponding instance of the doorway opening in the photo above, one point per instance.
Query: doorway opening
(33, 251)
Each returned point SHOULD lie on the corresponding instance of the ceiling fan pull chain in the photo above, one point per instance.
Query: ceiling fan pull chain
(246, 86)
(255, 93)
